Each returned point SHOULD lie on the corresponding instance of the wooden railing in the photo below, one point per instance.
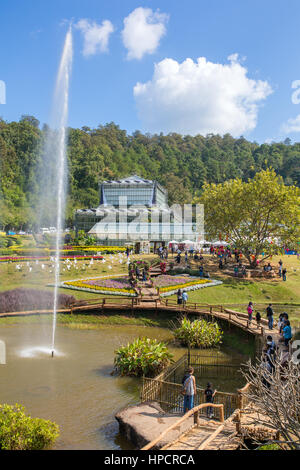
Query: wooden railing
(168, 395)
(216, 311)
(193, 412)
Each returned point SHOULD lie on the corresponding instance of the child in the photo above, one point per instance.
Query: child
(258, 319)
(209, 398)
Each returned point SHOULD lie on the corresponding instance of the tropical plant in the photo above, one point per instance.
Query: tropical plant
(198, 333)
(21, 432)
(144, 356)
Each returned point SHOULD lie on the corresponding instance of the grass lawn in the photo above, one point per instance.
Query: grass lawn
(238, 292)
(233, 291)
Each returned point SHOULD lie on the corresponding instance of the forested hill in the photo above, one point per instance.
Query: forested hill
(181, 163)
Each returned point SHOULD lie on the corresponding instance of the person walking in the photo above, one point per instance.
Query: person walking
(209, 398)
(189, 390)
(270, 314)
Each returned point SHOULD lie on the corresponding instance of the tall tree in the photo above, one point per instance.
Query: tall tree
(258, 216)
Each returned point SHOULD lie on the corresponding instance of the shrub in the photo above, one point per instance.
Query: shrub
(198, 333)
(17, 300)
(144, 356)
(21, 432)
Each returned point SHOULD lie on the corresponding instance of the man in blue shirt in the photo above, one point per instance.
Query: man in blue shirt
(184, 297)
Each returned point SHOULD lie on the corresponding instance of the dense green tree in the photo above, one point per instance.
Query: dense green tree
(182, 163)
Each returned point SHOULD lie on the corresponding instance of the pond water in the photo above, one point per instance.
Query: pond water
(75, 388)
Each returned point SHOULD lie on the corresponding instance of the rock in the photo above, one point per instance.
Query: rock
(141, 424)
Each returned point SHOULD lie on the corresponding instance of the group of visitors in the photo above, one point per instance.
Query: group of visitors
(141, 275)
(189, 390)
(182, 297)
(281, 271)
(284, 326)
(163, 252)
(239, 270)
(272, 351)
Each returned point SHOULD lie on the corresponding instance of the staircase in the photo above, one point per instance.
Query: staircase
(208, 435)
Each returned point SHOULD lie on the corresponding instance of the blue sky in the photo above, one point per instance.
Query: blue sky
(248, 95)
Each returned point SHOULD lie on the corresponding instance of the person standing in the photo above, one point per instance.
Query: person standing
(270, 314)
(258, 319)
(280, 268)
(209, 398)
(137, 273)
(280, 323)
(179, 297)
(189, 390)
(287, 333)
(184, 298)
(250, 312)
(284, 274)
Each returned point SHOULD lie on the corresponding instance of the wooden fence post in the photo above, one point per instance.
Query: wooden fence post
(196, 418)
(240, 401)
(222, 414)
(238, 422)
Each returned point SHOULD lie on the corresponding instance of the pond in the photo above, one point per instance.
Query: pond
(75, 388)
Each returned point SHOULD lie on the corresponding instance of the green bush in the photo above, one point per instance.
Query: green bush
(144, 356)
(21, 432)
(198, 333)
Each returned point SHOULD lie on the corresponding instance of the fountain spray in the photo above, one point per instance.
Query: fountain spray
(60, 116)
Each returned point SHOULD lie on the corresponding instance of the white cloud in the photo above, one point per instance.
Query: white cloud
(95, 36)
(292, 125)
(200, 97)
(143, 29)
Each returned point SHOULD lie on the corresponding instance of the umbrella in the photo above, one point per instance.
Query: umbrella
(173, 241)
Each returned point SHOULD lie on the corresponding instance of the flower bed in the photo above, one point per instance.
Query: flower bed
(104, 285)
(19, 259)
(168, 285)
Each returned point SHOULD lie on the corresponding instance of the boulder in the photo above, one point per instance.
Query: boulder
(141, 424)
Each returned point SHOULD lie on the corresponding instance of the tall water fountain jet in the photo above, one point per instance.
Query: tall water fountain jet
(55, 148)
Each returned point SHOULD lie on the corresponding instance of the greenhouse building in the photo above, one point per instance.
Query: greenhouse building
(134, 210)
